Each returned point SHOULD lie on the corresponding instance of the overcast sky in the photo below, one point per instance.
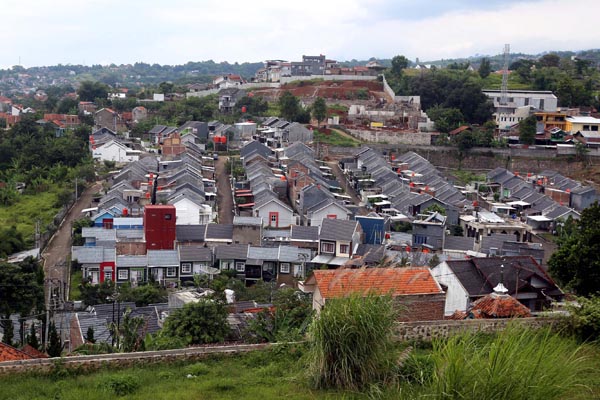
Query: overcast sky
(49, 32)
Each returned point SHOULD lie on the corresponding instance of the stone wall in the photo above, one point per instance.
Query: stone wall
(121, 360)
(394, 138)
(428, 330)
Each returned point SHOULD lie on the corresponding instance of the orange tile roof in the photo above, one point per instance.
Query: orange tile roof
(499, 306)
(9, 353)
(33, 352)
(394, 281)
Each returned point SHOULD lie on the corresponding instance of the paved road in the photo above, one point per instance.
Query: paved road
(224, 196)
(341, 178)
(59, 247)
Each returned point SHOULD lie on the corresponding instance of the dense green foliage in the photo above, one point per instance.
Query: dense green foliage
(55, 347)
(288, 320)
(90, 91)
(198, 323)
(319, 110)
(576, 263)
(350, 343)
(527, 130)
(515, 364)
(484, 68)
(21, 291)
(583, 319)
(290, 108)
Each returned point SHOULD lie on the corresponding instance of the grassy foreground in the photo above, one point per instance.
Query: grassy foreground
(513, 366)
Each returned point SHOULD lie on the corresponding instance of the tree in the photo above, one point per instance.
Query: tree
(446, 119)
(54, 343)
(89, 335)
(576, 263)
(289, 106)
(32, 339)
(484, 68)
(527, 129)
(319, 110)
(399, 63)
(90, 91)
(549, 60)
(199, 323)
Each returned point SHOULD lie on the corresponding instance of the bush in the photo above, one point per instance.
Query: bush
(351, 343)
(198, 323)
(120, 385)
(516, 364)
(197, 369)
(584, 319)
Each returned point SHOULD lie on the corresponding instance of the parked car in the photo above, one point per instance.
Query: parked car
(215, 156)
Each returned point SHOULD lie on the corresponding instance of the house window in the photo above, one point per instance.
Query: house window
(274, 219)
(107, 276)
(298, 273)
(123, 274)
(420, 239)
(171, 272)
(327, 247)
(284, 268)
(240, 266)
(186, 268)
(331, 216)
(344, 248)
(168, 217)
(107, 223)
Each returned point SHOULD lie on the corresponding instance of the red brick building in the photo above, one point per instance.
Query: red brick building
(416, 293)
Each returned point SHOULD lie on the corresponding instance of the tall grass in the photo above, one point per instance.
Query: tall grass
(351, 343)
(517, 364)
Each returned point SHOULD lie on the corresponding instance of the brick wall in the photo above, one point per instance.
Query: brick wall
(428, 307)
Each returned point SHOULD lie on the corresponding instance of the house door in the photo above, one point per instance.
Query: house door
(158, 274)
(95, 276)
(136, 275)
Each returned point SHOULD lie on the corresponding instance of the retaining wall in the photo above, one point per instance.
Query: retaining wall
(428, 330)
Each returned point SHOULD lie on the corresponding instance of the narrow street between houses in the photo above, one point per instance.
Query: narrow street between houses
(56, 252)
(341, 178)
(224, 196)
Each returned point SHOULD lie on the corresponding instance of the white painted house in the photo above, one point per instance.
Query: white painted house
(275, 213)
(327, 209)
(190, 212)
(457, 297)
(115, 151)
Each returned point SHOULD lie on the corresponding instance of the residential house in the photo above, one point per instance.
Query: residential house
(429, 231)
(108, 118)
(190, 234)
(306, 237)
(468, 280)
(231, 257)
(227, 81)
(115, 151)
(172, 145)
(228, 98)
(218, 234)
(415, 292)
(195, 260)
(138, 114)
(197, 128)
(337, 241)
(276, 213)
(247, 230)
(163, 266)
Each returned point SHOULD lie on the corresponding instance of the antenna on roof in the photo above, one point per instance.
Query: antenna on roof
(500, 288)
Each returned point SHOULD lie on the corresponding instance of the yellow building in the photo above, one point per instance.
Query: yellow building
(552, 120)
(582, 124)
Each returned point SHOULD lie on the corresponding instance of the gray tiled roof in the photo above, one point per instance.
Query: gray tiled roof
(99, 233)
(195, 253)
(460, 243)
(305, 233)
(163, 258)
(190, 233)
(231, 252)
(293, 254)
(126, 261)
(263, 253)
(237, 220)
(88, 254)
(337, 229)
(219, 231)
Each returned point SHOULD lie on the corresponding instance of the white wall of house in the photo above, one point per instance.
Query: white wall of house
(113, 151)
(318, 300)
(285, 216)
(316, 218)
(457, 297)
(188, 212)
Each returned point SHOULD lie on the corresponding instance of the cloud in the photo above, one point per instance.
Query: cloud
(174, 32)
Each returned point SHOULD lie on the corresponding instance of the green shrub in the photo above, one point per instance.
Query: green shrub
(351, 343)
(517, 364)
(584, 319)
(198, 323)
(417, 368)
(120, 385)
